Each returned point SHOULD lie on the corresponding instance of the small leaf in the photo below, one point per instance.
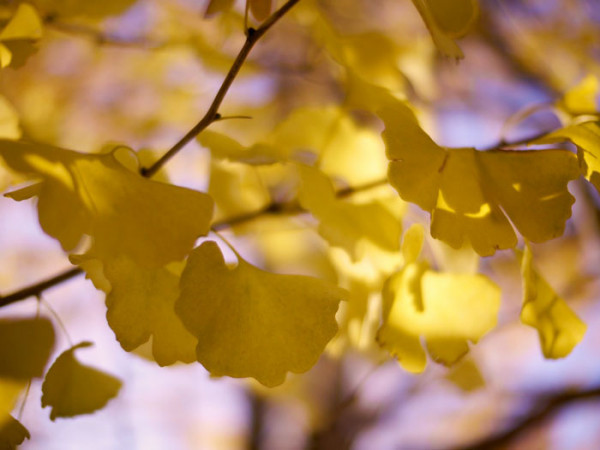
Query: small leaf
(559, 328)
(71, 388)
(252, 323)
(466, 376)
(12, 433)
(25, 24)
(25, 347)
(217, 6)
(474, 195)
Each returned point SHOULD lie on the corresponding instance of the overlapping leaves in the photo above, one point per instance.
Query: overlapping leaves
(474, 196)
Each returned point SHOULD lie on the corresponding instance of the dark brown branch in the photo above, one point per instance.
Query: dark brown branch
(545, 408)
(212, 114)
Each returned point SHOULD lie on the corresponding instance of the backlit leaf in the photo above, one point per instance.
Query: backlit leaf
(217, 6)
(25, 24)
(260, 8)
(342, 223)
(472, 195)
(252, 323)
(151, 223)
(71, 388)
(79, 8)
(559, 328)
(447, 310)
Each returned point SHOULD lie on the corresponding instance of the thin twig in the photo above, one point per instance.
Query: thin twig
(212, 114)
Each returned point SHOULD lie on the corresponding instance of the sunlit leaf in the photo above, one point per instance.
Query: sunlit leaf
(71, 388)
(25, 24)
(217, 6)
(25, 347)
(12, 433)
(447, 310)
(345, 224)
(473, 196)
(151, 223)
(583, 98)
(9, 120)
(79, 8)
(559, 328)
(252, 323)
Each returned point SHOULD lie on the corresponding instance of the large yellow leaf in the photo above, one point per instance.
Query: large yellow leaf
(342, 223)
(559, 328)
(474, 196)
(151, 223)
(252, 323)
(445, 309)
(71, 388)
(141, 304)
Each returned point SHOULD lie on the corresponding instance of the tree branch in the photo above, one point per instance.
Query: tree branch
(212, 114)
(546, 407)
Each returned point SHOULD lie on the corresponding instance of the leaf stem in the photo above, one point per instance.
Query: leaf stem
(212, 114)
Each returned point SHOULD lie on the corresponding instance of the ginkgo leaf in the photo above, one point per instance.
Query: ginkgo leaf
(466, 376)
(447, 310)
(141, 305)
(71, 388)
(224, 147)
(12, 433)
(25, 347)
(9, 120)
(446, 20)
(24, 24)
(217, 6)
(586, 136)
(583, 98)
(474, 196)
(260, 8)
(151, 223)
(342, 223)
(252, 323)
(559, 328)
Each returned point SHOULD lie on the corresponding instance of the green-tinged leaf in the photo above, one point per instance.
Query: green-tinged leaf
(151, 223)
(343, 223)
(252, 323)
(12, 433)
(474, 196)
(559, 328)
(25, 346)
(71, 388)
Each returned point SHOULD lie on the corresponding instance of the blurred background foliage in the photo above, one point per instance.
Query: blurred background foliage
(142, 73)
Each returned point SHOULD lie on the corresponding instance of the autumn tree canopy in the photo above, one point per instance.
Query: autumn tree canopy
(324, 199)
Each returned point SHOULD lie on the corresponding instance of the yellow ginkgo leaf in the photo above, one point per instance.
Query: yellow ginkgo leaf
(224, 147)
(9, 120)
(586, 136)
(91, 9)
(559, 328)
(141, 305)
(71, 388)
(252, 323)
(260, 8)
(446, 309)
(12, 433)
(466, 376)
(583, 98)
(25, 347)
(151, 223)
(25, 24)
(446, 20)
(342, 223)
(474, 196)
